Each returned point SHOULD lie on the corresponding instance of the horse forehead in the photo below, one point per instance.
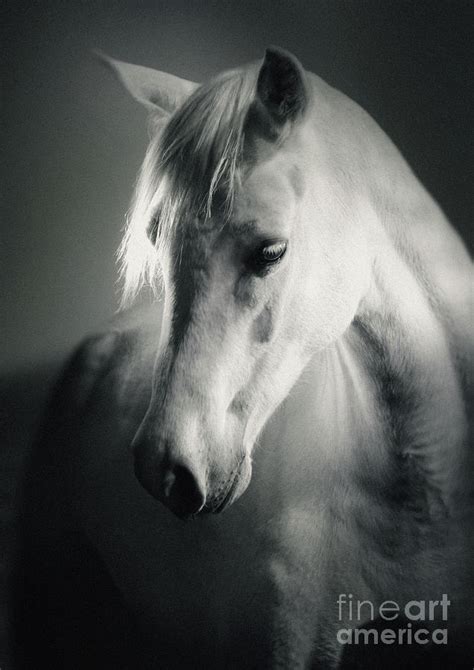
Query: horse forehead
(268, 191)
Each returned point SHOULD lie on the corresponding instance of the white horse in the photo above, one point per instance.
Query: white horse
(310, 324)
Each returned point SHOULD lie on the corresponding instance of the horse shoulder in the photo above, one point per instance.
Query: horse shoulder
(90, 363)
(56, 562)
(73, 415)
(95, 364)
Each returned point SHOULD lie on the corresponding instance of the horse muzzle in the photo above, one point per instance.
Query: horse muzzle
(176, 483)
(233, 488)
(180, 482)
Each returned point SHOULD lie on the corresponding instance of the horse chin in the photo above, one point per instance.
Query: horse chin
(236, 486)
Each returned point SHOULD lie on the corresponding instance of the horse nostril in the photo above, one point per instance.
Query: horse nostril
(169, 479)
(181, 491)
(172, 481)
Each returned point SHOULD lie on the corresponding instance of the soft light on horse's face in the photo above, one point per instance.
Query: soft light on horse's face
(233, 348)
(252, 298)
(249, 298)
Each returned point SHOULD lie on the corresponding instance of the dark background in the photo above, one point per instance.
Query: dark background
(73, 142)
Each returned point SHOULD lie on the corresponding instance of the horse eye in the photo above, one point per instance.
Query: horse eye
(270, 253)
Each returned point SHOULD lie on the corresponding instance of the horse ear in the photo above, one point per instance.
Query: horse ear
(281, 86)
(161, 93)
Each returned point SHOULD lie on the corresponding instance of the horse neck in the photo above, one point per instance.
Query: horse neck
(370, 443)
(398, 206)
(381, 410)
(401, 337)
(414, 229)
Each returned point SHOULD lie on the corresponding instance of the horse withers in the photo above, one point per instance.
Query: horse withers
(296, 387)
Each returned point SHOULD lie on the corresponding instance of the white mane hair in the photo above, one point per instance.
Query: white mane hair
(194, 156)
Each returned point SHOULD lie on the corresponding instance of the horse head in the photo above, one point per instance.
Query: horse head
(244, 209)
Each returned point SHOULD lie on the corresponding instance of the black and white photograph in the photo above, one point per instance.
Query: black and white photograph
(237, 322)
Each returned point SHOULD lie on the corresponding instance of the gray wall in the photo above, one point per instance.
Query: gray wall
(74, 141)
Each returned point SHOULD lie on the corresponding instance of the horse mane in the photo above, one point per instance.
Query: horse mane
(188, 161)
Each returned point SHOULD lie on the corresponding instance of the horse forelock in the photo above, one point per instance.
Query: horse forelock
(191, 165)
